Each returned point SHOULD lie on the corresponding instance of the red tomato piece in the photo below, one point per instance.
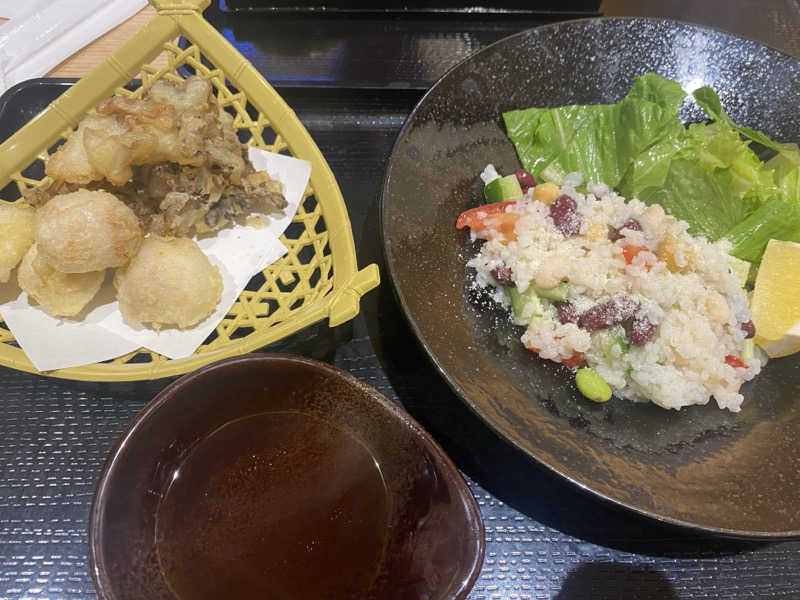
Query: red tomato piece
(735, 361)
(490, 218)
(630, 251)
(572, 361)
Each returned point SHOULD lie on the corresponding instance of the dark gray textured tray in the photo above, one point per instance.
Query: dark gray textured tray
(544, 538)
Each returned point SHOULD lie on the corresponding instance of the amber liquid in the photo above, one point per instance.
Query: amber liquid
(274, 506)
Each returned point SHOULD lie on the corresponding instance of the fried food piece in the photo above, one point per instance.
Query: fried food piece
(98, 148)
(169, 282)
(181, 200)
(86, 231)
(177, 122)
(60, 294)
(16, 235)
(41, 194)
(173, 156)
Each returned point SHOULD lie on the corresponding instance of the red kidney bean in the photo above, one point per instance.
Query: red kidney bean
(641, 331)
(608, 313)
(503, 275)
(526, 180)
(566, 311)
(564, 212)
(749, 329)
(616, 232)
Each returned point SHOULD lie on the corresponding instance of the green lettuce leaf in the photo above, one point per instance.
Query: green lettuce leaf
(776, 184)
(774, 219)
(600, 140)
(686, 181)
(709, 101)
(729, 158)
(668, 94)
(540, 134)
(651, 167)
(707, 98)
(706, 174)
(786, 167)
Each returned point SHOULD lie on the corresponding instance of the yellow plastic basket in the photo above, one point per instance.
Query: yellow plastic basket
(318, 278)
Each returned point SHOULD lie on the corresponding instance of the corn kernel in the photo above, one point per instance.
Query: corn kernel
(676, 253)
(545, 192)
(596, 231)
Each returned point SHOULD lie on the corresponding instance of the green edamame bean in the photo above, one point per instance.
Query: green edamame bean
(591, 385)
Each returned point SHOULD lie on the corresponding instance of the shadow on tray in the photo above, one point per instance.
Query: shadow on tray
(610, 580)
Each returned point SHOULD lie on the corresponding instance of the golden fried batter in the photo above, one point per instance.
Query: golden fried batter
(171, 122)
(169, 282)
(60, 294)
(16, 235)
(86, 231)
(181, 200)
(173, 156)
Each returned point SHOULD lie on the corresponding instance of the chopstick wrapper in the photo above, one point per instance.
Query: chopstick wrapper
(240, 252)
(40, 34)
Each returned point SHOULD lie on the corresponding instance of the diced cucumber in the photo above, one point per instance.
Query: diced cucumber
(748, 349)
(558, 293)
(741, 268)
(503, 189)
(751, 277)
(526, 305)
(613, 336)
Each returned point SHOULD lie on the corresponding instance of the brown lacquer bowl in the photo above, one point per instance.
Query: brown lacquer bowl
(735, 474)
(274, 476)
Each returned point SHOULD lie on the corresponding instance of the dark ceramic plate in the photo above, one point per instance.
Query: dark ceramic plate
(269, 476)
(736, 474)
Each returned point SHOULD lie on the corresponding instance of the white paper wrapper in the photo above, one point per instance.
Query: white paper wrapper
(240, 252)
(42, 33)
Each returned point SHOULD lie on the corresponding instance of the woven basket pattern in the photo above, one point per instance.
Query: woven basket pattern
(300, 283)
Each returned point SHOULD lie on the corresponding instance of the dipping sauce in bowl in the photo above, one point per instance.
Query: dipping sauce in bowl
(275, 476)
(309, 498)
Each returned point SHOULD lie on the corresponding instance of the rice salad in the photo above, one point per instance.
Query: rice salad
(619, 287)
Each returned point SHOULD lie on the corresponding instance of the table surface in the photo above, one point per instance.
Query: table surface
(773, 22)
(544, 537)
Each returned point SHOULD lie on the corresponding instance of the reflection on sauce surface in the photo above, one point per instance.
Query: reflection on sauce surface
(277, 505)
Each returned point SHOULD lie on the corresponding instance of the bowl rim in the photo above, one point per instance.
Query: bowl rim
(399, 416)
(421, 339)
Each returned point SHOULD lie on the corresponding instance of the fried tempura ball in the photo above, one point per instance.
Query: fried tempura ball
(97, 148)
(175, 121)
(169, 282)
(60, 294)
(87, 231)
(16, 235)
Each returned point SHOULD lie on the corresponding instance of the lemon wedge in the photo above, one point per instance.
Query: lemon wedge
(776, 300)
(788, 344)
